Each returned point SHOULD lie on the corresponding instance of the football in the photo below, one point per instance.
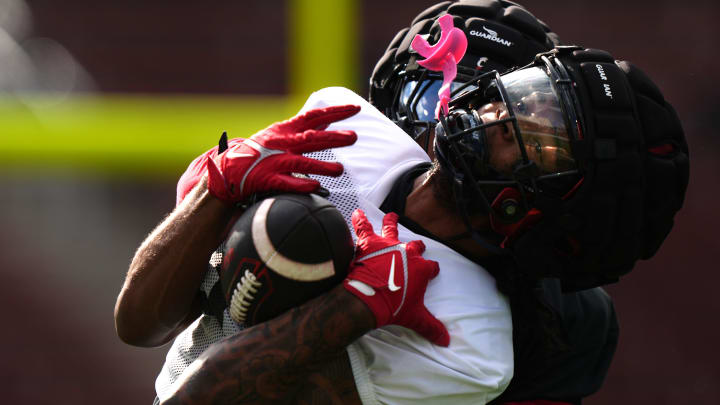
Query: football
(281, 252)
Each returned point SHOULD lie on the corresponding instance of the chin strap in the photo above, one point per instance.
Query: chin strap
(471, 232)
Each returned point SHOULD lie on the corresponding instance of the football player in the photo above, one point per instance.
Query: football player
(554, 161)
(469, 222)
(581, 324)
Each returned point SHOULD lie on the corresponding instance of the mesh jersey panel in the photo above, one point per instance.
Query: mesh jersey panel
(194, 340)
(342, 188)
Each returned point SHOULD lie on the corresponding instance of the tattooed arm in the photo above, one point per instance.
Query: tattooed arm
(290, 359)
(333, 384)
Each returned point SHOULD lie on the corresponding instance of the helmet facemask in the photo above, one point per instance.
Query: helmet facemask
(523, 115)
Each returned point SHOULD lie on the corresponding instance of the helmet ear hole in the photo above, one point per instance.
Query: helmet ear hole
(507, 207)
(510, 217)
(510, 208)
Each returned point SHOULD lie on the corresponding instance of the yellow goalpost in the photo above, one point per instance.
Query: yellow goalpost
(157, 135)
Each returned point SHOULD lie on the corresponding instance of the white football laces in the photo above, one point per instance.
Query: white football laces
(243, 296)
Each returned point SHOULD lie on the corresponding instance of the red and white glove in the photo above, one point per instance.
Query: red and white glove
(391, 277)
(266, 161)
(198, 167)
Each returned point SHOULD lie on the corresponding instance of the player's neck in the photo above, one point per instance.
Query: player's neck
(423, 208)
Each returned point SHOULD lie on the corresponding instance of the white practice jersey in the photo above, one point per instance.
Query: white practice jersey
(394, 365)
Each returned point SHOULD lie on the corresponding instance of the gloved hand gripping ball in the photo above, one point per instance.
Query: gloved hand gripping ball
(391, 277)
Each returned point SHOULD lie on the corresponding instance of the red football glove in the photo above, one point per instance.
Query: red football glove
(266, 161)
(198, 168)
(391, 278)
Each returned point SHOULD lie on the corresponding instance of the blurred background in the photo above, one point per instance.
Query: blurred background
(104, 103)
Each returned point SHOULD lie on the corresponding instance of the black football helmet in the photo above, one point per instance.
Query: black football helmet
(599, 169)
(501, 35)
